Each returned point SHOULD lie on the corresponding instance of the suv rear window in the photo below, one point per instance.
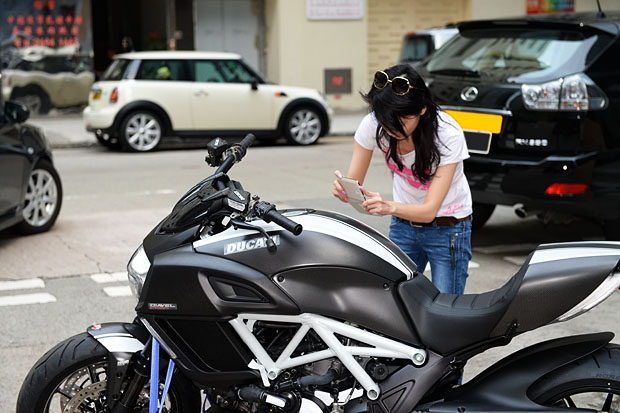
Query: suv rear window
(517, 54)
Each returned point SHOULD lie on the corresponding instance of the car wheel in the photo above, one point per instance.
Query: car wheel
(43, 199)
(482, 213)
(35, 98)
(303, 126)
(141, 132)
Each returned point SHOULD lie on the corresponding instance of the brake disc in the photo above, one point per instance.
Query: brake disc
(91, 392)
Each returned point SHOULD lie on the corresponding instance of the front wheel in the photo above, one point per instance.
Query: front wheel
(303, 126)
(592, 382)
(72, 378)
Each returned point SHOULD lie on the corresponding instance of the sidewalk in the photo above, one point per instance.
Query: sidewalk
(68, 131)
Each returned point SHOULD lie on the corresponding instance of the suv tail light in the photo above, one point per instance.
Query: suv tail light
(566, 189)
(572, 93)
(114, 95)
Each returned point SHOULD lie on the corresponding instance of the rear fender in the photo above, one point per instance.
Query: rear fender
(122, 340)
(504, 386)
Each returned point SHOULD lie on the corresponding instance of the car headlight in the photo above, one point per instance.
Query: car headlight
(137, 269)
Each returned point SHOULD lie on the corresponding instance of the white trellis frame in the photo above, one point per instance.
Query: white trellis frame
(325, 328)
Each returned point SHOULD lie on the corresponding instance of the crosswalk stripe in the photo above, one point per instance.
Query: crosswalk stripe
(120, 291)
(21, 284)
(109, 277)
(38, 298)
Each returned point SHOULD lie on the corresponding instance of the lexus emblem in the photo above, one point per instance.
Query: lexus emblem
(469, 93)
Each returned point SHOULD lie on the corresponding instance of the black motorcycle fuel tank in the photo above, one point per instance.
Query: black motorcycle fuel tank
(337, 267)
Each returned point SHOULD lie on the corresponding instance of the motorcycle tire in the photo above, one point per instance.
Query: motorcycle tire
(591, 382)
(71, 378)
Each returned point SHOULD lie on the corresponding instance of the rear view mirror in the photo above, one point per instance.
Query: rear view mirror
(254, 84)
(17, 112)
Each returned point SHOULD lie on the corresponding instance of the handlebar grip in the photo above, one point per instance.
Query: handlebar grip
(284, 222)
(247, 141)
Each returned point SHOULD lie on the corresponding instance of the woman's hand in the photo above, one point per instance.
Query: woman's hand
(339, 191)
(375, 204)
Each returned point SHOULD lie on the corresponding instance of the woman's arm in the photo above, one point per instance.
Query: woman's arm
(425, 212)
(360, 161)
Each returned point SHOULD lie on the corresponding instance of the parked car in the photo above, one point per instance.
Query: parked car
(145, 96)
(420, 44)
(30, 188)
(539, 100)
(43, 78)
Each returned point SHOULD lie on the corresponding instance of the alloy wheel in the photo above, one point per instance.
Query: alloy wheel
(142, 132)
(304, 127)
(41, 198)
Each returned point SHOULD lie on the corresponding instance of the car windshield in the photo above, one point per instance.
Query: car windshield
(517, 54)
(116, 69)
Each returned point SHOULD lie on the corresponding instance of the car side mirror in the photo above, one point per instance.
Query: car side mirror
(254, 84)
(16, 112)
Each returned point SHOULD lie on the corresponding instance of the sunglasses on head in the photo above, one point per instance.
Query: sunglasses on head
(400, 84)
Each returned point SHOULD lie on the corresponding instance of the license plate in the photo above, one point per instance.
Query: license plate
(96, 94)
(482, 122)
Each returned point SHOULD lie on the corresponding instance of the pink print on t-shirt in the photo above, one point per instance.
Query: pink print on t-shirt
(407, 174)
(451, 209)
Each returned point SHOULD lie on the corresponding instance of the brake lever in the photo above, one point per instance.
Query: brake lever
(271, 245)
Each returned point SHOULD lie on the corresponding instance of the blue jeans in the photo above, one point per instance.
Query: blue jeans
(446, 248)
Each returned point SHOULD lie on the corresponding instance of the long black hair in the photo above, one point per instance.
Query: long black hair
(389, 107)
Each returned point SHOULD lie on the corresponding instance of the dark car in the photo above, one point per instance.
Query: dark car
(539, 100)
(30, 188)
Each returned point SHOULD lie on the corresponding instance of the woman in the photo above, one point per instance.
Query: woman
(424, 148)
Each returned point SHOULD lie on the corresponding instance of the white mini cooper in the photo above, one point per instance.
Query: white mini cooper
(145, 96)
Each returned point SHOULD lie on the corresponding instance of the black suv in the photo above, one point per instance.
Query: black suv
(539, 100)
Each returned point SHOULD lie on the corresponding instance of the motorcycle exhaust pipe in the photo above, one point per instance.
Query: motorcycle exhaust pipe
(256, 394)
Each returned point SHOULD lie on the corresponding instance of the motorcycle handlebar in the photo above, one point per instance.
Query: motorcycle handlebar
(237, 152)
(268, 213)
(284, 222)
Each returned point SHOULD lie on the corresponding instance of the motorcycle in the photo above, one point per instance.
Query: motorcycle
(258, 310)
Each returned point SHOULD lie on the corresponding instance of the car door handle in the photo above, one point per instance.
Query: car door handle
(200, 93)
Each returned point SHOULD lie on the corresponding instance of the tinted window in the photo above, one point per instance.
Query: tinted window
(517, 54)
(116, 70)
(415, 48)
(206, 71)
(162, 70)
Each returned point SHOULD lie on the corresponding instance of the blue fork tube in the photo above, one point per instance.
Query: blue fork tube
(154, 390)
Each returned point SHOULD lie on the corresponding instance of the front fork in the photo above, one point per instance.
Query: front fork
(130, 344)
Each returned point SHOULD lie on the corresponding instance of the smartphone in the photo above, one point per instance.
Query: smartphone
(354, 193)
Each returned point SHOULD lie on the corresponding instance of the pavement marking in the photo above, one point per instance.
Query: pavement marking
(138, 193)
(122, 291)
(515, 259)
(109, 277)
(21, 284)
(504, 248)
(38, 298)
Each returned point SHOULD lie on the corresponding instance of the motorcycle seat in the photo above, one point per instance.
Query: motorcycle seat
(554, 279)
(448, 322)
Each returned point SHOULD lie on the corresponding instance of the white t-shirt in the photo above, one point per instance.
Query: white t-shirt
(407, 189)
